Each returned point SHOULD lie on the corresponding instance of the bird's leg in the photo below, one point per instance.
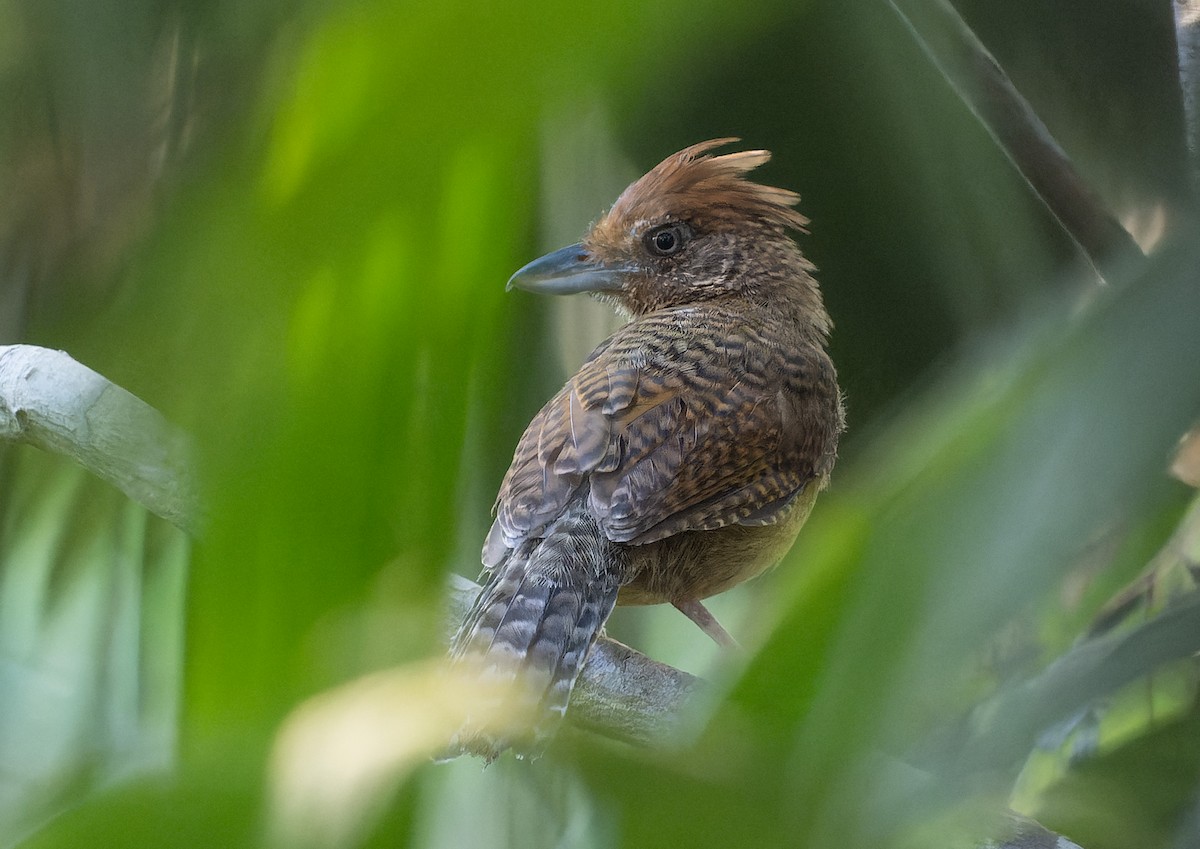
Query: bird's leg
(708, 623)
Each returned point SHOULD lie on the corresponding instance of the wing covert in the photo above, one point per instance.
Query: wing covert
(669, 429)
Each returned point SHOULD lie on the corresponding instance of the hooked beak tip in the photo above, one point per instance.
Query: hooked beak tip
(567, 271)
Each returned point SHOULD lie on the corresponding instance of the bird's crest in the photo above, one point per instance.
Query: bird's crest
(711, 189)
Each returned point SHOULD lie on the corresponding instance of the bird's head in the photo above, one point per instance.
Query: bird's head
(692, 229)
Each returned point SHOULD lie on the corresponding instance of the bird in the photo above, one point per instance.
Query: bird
(683, 456)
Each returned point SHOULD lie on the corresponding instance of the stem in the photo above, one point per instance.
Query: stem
(978, 79)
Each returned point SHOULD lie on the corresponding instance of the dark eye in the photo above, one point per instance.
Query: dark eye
(666, 240)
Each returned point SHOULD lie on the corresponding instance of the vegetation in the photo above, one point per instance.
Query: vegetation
(288, 226)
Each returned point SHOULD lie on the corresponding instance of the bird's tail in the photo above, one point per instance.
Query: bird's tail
(529, 632)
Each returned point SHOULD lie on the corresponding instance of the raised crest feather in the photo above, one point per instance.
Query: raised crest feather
(713, 190)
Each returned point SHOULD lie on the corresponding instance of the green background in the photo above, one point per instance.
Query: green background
(288, 227)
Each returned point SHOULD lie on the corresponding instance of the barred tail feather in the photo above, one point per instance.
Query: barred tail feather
(531, 628)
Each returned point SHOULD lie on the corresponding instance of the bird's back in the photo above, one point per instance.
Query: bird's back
(684, 420)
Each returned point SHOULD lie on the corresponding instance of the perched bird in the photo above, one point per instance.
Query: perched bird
(687, 451)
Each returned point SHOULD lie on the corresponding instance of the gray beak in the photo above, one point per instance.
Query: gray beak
(567, 271)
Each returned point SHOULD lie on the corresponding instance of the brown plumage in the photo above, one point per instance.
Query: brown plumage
(687, 451)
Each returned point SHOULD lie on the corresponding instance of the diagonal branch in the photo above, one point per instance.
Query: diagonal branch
(979, 80)
(50, 401)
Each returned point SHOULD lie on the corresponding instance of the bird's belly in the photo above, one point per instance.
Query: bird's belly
(698, 564)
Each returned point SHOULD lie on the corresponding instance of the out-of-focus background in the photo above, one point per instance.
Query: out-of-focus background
(288, 226)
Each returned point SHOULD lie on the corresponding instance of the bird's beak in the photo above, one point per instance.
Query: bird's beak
(567, 271)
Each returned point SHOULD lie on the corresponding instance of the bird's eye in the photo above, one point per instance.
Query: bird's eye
(666, 240)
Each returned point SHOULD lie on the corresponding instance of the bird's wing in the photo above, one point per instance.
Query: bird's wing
(670, 428)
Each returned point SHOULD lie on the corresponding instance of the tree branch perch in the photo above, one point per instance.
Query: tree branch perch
(51, 401)
(621, 693)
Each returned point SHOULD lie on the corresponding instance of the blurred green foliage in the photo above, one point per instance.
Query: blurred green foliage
(288, 226)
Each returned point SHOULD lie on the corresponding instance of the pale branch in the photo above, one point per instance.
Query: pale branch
(978, 79)
(621, 693)
(51, 401)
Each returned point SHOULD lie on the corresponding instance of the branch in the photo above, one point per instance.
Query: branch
(987, 91)
(50, 401)
(1028, 834)
(621, 693)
